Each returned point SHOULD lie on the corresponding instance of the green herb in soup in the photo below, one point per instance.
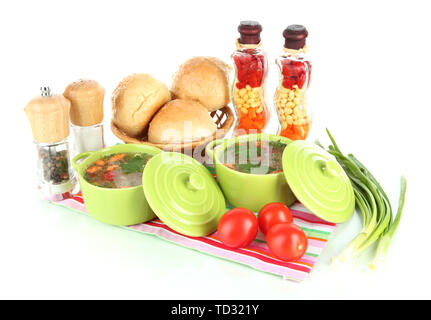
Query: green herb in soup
(256, 157)
(122, 170)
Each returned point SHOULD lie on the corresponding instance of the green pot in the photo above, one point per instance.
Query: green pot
(245, 190)
(122, 207)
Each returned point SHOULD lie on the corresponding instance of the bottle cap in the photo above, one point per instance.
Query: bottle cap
(49, 116)
(295, 36)
(86, 97)
(249, 32)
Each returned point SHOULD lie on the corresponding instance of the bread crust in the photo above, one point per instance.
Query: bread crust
(203, 79)
(135, 100)
(181, 121)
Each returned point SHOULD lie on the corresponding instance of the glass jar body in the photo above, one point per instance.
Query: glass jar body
(291, 96)
(88, 138)
(54, 172)
(248, 90)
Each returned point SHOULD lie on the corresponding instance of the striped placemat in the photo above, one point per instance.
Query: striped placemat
(256, 255)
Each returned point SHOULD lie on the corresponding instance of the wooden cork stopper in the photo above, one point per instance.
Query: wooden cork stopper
(295, 36)
(249, 32)
(86, 97)
(49, 117)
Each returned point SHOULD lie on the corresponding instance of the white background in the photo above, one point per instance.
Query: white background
(370, 86)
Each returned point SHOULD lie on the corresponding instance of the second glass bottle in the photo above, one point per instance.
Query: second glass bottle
(290, 97)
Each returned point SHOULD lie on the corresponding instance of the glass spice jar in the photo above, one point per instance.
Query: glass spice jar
(290, 96)
(54, 172)
(86, 114)
(88, 138)
(248, 89)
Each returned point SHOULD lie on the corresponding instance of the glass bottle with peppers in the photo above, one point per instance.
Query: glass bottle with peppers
(290, 96)
(248, 90)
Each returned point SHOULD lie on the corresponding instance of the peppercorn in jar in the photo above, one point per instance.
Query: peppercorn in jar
(290, 96)
(248, 90)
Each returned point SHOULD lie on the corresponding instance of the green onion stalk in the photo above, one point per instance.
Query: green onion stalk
(374, 206)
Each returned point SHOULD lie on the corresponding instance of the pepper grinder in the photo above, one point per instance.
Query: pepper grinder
(49, 119)
(86, 114)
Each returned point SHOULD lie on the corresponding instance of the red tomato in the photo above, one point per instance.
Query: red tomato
(271, 214)
(237, 228)
(287, 241)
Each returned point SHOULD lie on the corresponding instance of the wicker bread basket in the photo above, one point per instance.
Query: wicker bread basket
(223, 118)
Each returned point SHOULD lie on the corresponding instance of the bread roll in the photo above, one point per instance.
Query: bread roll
(181, 121)
(135, 100)
(204, 79)
(86, 97)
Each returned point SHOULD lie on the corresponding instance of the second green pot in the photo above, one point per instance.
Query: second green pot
(245, 190)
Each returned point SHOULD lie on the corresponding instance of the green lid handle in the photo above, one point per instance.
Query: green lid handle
(330, 168)
(79, 157)
(195, 182)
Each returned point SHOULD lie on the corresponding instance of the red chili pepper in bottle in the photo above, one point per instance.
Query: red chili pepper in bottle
(290, 97)
(251, 67)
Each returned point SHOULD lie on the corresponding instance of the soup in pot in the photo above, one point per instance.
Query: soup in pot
(256, 157)
(122, 170)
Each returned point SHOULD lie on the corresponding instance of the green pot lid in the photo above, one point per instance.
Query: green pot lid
(318, 181)
(183, 194)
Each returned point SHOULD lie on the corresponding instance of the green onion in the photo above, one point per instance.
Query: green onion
(374, 205)
(385, 238)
